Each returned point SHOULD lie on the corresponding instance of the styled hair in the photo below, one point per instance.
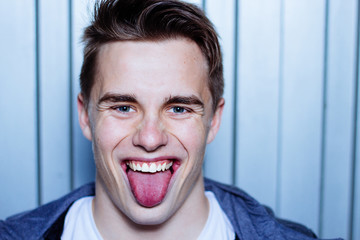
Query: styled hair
(150, 20)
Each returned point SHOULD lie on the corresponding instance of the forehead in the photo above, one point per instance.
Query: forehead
(130, 65)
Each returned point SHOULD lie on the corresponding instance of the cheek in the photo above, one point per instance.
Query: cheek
(192, 135)
(109, 132)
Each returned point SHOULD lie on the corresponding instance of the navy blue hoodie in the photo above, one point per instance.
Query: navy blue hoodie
(250, 219)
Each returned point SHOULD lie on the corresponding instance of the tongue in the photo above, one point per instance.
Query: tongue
(149, 189)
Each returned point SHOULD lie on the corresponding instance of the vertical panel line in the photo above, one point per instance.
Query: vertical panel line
(38, 103)
(355, 131)
(279, 124)
(203, 5)
(324, 122)
(235, 110)
(71, 127)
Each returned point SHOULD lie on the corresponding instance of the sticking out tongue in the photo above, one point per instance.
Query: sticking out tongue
(149, 189)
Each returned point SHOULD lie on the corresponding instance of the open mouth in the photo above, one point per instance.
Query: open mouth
(150, 180)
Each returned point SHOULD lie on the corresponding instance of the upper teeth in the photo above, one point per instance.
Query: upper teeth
(149, 167)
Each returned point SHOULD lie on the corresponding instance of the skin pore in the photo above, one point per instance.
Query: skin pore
(150, 103)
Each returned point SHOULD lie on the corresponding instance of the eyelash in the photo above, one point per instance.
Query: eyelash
(184, 109)
(117, 108)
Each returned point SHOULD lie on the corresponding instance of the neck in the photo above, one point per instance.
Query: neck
(186, 223)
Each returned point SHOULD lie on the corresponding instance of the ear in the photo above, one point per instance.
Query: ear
(215, 121)
(83, 117)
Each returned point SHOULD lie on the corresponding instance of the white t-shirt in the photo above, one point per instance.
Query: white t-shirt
(79, 221)
(80, 224)
(217, 225)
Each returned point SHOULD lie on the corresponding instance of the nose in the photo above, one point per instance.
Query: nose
(150, 135)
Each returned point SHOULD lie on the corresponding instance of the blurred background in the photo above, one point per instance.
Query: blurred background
(290, 130)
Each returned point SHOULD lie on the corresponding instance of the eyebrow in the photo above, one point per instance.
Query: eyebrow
(113, 98)
(191, 100)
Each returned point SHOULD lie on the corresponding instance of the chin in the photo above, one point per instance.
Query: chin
(151, 216)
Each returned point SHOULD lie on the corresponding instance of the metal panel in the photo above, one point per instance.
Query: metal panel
(83, 163)
(301, 116)
(341, 69)
(258, 98)
(18, 141)
(219, 158)
(54, 110)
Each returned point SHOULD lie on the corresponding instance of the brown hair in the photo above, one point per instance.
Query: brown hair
(140, 20)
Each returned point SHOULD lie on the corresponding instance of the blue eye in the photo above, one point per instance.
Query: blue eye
(179, 109)
(124, 108)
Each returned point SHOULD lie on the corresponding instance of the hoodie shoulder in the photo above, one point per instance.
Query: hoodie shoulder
(33, 224)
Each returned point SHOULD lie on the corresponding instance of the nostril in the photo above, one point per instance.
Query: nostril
(150, 137)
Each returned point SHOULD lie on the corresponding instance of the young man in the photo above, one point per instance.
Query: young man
(150, 101)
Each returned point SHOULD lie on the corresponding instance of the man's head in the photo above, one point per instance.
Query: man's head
(148, 108)
(150, 20)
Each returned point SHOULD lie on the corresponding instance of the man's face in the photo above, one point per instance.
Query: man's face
(150, 109)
